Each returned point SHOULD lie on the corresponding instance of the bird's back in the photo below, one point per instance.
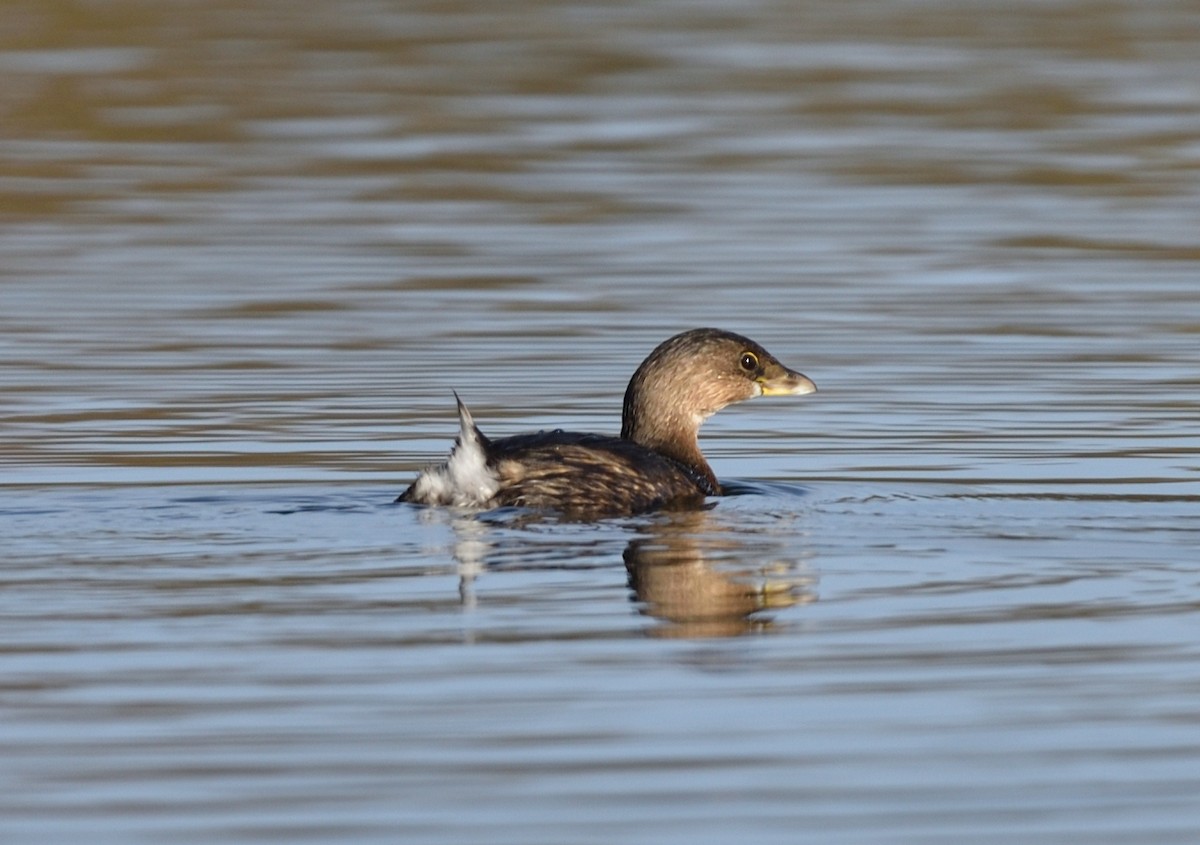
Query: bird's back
(590, 473)
(583, 474)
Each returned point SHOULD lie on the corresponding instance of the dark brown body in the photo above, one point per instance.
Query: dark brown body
(591, 473)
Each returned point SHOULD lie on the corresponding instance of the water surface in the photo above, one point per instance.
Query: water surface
(247, 254)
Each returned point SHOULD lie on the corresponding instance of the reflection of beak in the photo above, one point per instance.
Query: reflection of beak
(786, 382)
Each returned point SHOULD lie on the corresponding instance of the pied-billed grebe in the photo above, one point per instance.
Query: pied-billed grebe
(655, 463)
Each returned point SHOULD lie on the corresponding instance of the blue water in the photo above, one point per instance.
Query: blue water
(247, 258)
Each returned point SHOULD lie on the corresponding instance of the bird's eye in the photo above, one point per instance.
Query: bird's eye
(749, 361)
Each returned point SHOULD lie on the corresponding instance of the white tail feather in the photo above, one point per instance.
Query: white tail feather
(465, 479)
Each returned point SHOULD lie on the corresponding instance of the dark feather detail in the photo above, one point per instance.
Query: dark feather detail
(590, 474)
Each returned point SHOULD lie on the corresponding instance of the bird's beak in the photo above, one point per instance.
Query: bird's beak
(784, 382)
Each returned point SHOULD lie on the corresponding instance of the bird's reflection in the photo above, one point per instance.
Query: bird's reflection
(697, 574)
(701, 579)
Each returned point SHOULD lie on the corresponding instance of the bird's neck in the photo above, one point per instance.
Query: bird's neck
(672, 436)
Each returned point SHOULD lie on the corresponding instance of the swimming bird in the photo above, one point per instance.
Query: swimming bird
(655, 463)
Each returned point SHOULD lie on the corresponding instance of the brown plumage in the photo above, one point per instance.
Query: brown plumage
(655, 463)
